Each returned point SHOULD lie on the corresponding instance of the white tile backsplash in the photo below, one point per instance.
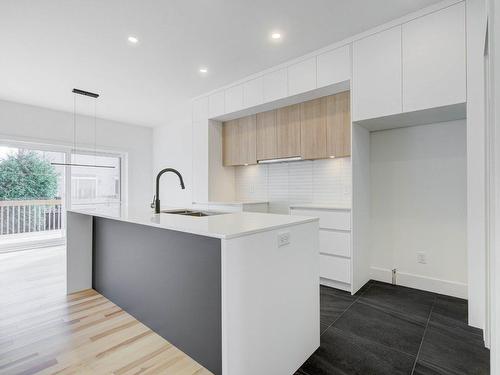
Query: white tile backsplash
(327, 181)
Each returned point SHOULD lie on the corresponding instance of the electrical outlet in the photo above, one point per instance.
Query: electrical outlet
(283, 239)
(421, 257)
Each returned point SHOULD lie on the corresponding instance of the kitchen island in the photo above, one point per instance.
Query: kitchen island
(238, 292)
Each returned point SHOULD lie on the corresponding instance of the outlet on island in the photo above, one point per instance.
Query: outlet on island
(283, 239)
(421, 257)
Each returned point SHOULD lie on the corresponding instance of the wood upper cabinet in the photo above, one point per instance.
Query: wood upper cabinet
(338, 125)
(266, 136)
(288, 131)
(278, 133)
(313, 129)
(239, 141)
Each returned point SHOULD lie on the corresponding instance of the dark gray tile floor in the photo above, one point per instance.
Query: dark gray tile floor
(391, 330)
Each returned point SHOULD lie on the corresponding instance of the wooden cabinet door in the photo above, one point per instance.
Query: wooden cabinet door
(338, 125)
(266, 135)
(313, 129)
(238, 143)
(230, 143)
(288, 131)
(247, 140)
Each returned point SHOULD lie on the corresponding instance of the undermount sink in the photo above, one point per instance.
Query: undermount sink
(191, 213)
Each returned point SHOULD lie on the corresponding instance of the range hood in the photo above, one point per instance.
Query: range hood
(279, 160)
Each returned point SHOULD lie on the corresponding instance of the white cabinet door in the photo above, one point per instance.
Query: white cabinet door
(252, 93)
(234, 98)
(335, 219)
(333, 268)
(200, 109)
(275, 85)
(434, 60)
(377, 75)
(334, 66)
(302, 77)
(335, 243)
(216, 104)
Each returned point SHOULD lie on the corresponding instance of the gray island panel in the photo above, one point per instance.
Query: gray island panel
(169, 280)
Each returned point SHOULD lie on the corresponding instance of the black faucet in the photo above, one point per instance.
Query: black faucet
(156, 199)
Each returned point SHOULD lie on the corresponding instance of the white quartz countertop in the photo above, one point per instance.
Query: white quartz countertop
(321, 206)
(224, 226)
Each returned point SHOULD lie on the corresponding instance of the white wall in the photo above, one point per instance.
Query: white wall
(476, 175)
(494, 203)
(173, 148)
(418, 195)
(320, 181)
(21, 122)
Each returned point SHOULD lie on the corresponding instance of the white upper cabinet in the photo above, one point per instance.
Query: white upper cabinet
(334, 66)
(200, 109)
(302, 77)
(253, 92)
(377, 75)
(434, 60)
(275, 85)
(216, 104)
(234, 98)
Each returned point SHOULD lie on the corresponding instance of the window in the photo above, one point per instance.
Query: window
(90, 185)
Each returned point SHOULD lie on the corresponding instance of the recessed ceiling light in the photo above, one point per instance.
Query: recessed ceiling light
(276, 36)
(133, 39)
(203, 70)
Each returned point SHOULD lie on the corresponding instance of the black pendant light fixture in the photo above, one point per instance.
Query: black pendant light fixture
(94, 96)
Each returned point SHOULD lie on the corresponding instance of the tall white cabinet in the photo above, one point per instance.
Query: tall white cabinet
(377, 75)
(418, 65)
(434, 60)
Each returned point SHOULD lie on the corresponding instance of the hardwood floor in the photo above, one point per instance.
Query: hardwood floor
(43, 331)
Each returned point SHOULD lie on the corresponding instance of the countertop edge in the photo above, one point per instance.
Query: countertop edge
(306, 220)
(302, 220)
(154, 225)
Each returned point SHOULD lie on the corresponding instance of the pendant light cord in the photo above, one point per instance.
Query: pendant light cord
(74, 123)
(74, 150)
(95, 131)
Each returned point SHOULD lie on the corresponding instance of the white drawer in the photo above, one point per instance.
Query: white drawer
(335, 243)
(334, 268)
(328, 219)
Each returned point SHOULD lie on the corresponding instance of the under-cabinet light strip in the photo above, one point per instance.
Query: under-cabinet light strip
(281, 160)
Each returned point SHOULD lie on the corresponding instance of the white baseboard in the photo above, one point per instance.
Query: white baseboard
(29, 245)
(431, 284)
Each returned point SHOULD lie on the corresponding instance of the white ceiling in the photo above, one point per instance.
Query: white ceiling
(47, 47)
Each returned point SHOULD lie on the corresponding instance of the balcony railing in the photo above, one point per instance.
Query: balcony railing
(27, 216)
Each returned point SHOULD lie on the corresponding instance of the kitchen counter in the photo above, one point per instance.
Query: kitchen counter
(184, 277)
(223, 226)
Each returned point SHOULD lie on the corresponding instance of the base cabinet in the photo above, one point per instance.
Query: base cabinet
(334, 244)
